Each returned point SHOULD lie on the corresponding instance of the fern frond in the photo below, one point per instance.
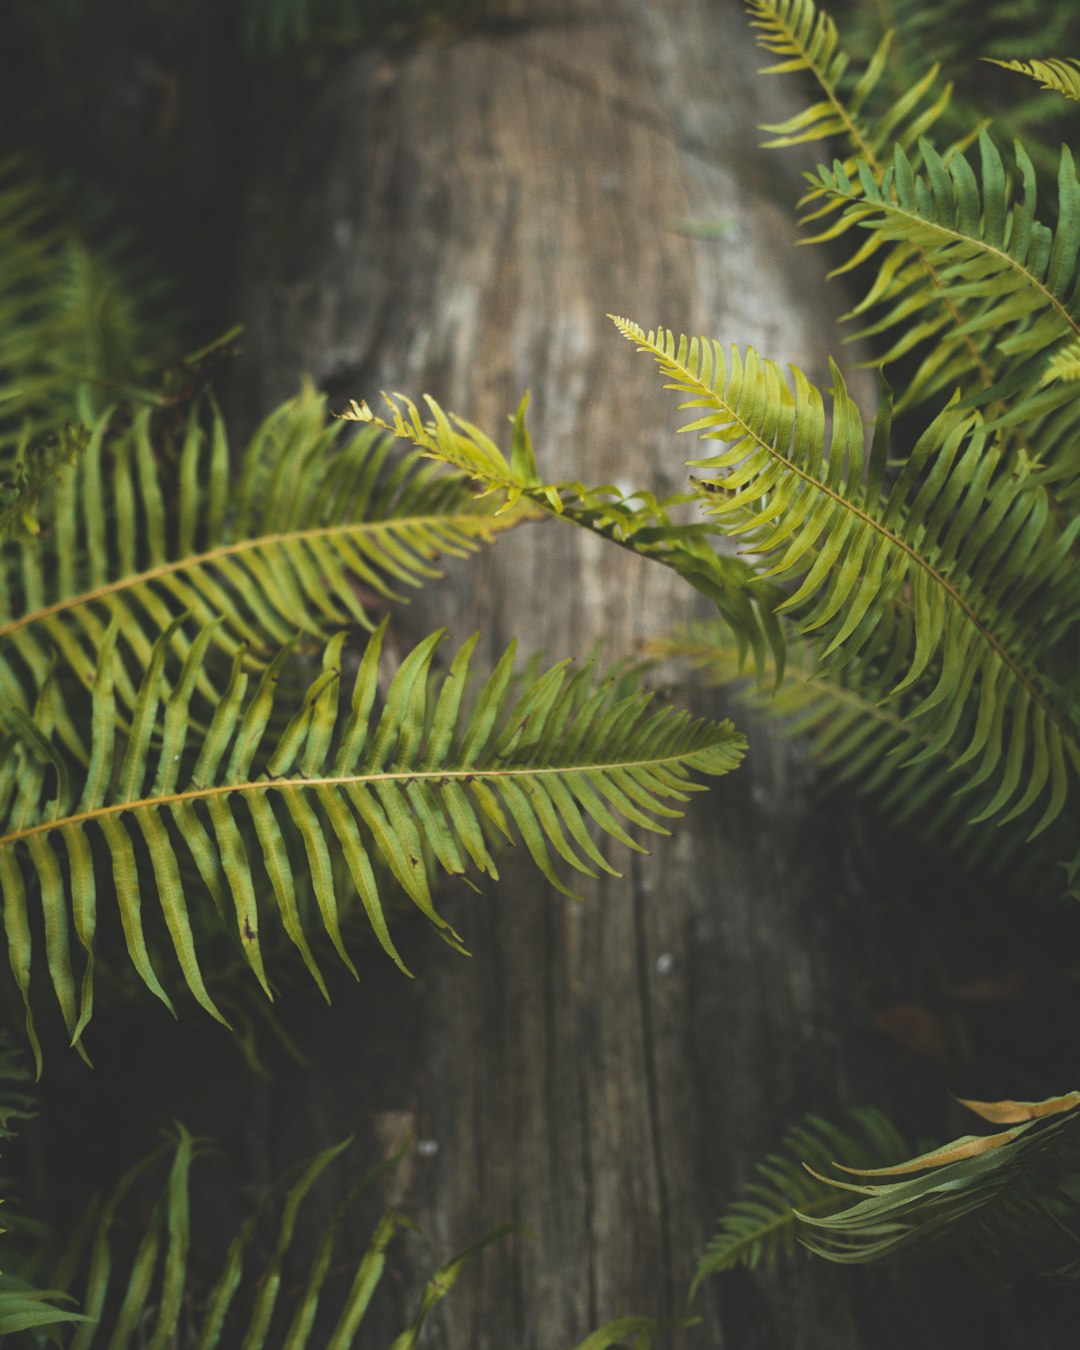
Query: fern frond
(764, 1226)
(915, 306)
(310, 528)
(988, 251)
(957, 562)
(637, 522)
(1010, 1201)
(417, 785)
(872, 746)
(149, 1291)
(806, 39)
(1060, 75)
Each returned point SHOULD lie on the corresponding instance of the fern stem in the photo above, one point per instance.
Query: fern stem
(226, 551)
(438, 776)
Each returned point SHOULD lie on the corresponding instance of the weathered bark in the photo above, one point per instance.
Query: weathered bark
(458, 219)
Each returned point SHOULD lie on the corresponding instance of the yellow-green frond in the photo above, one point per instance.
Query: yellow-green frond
(226, 795)
(319, 533)
(936, 567)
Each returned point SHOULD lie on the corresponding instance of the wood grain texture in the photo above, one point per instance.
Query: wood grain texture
(457, 219)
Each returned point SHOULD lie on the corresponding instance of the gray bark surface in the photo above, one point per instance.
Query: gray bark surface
(457, 218)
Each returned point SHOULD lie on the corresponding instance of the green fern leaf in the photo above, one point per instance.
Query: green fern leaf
(764, 1226)
(310, 523)
(1061, 75)
(957, 560)
(805, 38)
(419, 785)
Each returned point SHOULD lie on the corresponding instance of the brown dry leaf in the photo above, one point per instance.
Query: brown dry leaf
(1014, 1113)
(969, 1147)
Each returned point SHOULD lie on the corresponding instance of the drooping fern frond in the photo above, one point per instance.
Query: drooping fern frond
(313, 535)
(765, 1225)
(932, 574)
(1009, 1202)
(871, 746)
(1060, 75)
(417, 785)
(637, 522)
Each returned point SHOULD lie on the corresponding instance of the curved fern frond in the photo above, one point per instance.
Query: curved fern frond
(420, 785)
(312, 537)
(872, 746)
(1010, 1200)
(956, 562)
(638, 521)
(915, 307)
(765, 1225)
(1060, 75)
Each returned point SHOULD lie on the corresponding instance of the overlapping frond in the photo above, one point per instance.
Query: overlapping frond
(315, 533)
(420, 785)
(931, 575)
(148, 1289)
(875, 747)
(78, 325)
(638, 522)
(1060, 75)
(914, 304)
(805, 38)
(1011, 280)
(1011, 1200)
(764, 1225)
